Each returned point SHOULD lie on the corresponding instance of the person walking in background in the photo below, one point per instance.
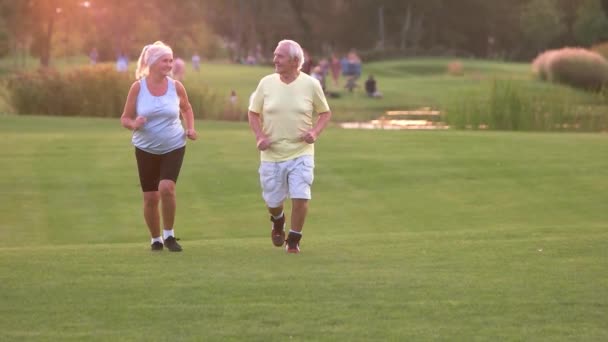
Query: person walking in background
(93, 56)
(317, 73)
(122, 63)
(308, 63)
(196, 62)
(152, 112)
(281, 116)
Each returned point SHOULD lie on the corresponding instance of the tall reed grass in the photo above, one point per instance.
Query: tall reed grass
(97, 91)
(512, 105)
(88, 91)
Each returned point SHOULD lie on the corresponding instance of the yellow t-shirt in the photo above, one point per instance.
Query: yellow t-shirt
(287, 113)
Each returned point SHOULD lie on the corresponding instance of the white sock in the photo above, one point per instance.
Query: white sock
(167, 233)
(278, 216)
(293, 231)
(156, 239)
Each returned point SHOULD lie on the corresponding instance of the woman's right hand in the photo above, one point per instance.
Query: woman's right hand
(138, 122)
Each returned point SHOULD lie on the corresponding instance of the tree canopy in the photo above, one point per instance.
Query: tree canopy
(515, 29)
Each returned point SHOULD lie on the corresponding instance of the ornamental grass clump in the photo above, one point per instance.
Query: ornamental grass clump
(576, 67)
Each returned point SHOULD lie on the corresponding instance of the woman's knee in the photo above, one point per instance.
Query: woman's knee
(151, 198)
(166, 188)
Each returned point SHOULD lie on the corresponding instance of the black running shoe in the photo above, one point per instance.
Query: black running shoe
(156, 246)
(293, 243)
(172, 245)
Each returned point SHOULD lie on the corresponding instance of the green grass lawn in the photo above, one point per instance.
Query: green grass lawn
(457, 236)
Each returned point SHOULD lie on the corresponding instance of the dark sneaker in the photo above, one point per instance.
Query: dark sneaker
(172, 245)
(156, 246)
(293, 242)
(278, 231)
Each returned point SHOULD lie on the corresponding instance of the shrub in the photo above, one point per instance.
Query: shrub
(540, 65)
(577, 67)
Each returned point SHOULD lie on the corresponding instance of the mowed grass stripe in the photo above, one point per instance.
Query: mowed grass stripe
(359, 288)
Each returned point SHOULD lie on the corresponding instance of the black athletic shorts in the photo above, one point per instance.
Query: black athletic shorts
(154, 167)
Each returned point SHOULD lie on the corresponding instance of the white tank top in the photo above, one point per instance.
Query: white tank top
(163, 131)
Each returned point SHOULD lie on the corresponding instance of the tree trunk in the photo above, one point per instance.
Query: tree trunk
(405, 28)
(45, 49)
(298, 10)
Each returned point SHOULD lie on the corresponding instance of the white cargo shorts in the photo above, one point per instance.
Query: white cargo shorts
(291, 178)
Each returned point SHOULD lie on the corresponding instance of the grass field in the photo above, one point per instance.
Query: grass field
(456, 236)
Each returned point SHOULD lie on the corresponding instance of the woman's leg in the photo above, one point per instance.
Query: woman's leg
(151, 213)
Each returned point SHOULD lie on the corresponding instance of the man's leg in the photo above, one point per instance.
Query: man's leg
(275, 211)
(277, 216)
(300, 181)
(298, 214)
(274, 192)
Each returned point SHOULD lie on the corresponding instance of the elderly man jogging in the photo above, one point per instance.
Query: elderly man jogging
(281, 116)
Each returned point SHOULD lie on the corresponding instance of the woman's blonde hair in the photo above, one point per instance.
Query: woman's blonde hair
(149, 55)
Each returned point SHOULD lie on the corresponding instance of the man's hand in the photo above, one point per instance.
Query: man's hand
(310, 137)
(263, 143)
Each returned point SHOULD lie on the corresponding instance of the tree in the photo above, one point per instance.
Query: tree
(591, 25)
(541, 23)
(605, 6)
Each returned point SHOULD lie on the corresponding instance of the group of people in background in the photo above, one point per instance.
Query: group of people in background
(122, 63)
(349, 67)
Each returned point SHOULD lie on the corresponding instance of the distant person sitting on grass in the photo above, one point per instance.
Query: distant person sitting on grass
(152, 112)
(371, 88)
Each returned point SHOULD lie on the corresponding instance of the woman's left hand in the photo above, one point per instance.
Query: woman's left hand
(191, 134)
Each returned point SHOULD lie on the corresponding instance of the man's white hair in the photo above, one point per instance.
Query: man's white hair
(295, 51)
(149, 55)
